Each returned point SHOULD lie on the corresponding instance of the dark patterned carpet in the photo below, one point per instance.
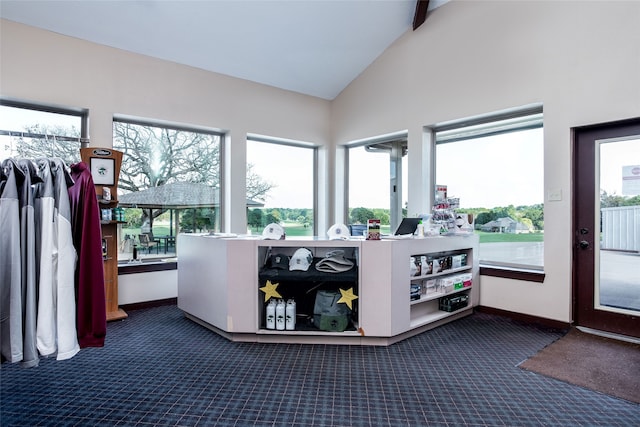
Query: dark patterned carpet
(160, 369)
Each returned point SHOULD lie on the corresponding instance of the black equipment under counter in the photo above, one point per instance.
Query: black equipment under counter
(311, 275)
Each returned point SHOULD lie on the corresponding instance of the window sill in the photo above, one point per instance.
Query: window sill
(493, 271)
(147, 266)
(513, 273)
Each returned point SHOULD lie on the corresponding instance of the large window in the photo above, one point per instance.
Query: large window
(281, 185)
(495, 167)
(377, 176)
(169, 183)
(30, 131)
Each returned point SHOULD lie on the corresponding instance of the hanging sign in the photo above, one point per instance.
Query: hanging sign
(104, 164)
(631, 180)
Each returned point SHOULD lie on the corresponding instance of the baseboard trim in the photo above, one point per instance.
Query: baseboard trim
(520, 317)
(149, 304)
(526, 318)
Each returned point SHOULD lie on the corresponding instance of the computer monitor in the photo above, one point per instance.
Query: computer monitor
(408, 226)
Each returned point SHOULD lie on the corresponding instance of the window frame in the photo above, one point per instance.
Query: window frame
(82, 113)
(157, 263)
(513, 120)
(399, 146)
(297, 144)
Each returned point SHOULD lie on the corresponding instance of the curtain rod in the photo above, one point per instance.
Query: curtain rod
(44, 136)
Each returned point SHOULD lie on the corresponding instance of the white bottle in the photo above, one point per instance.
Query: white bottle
(271, 314)
(280, 313)
(425, 265)
(413, 269)
(290, 321)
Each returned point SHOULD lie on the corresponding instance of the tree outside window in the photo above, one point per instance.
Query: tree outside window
(170, 180)
(170, 183)
(32, 133)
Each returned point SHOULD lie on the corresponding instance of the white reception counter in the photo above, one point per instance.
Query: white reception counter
(220, 281)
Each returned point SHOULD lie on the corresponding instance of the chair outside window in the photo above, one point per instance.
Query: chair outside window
(158, 241)
(146, 242)
(151, 238)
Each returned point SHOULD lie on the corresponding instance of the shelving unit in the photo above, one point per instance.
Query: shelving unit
(110, 235)
(386, 277)
(301, 286)
(426, 309)
(219, 280)
(109, 228)
(435, 296)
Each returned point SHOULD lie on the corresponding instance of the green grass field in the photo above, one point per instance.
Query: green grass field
(508, 237)
(296, 229)
(158, 230)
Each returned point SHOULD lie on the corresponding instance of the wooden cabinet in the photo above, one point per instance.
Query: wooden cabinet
(104, 164)
(110, 257)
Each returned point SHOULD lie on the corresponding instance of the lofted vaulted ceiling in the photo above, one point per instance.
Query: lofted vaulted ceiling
(314, 47)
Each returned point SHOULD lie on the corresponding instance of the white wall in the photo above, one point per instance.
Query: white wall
(49, 68)
(144, 287)
(581, 60)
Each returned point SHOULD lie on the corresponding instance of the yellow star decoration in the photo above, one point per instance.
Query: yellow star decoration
(270, 290)
(347, 297)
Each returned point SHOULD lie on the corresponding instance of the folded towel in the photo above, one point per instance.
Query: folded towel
(334, 262)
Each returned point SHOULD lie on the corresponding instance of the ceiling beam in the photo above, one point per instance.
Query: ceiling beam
(421, 13)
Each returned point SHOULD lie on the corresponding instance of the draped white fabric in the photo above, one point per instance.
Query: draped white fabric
(37, 262)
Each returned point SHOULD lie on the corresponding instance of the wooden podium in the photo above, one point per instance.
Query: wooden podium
(104, 164)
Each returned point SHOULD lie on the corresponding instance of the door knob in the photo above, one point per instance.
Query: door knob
(584, 244)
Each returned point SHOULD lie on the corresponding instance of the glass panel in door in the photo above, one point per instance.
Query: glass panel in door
(617, 251)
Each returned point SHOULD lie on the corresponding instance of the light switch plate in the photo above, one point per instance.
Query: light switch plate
(554, 195)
